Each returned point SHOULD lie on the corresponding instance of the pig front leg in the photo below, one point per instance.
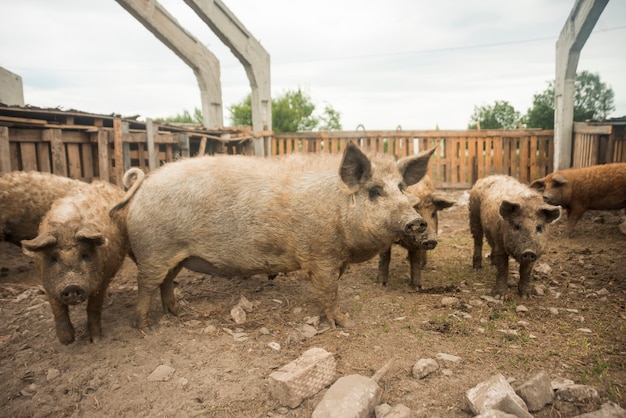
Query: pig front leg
(384, 259)
(525, 275)
(63, 326)
(94, 315)
(417, 261)
(477, 233)
(326, 285)
(501, 261)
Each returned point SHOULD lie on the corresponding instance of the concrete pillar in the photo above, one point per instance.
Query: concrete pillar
(579, 24)
(11, 90)
(204, 64)
(250, 53)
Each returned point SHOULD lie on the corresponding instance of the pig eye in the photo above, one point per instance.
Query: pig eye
(516, 227)
(375, 192)
(540, 229)
(53, 259)
(401, 187)
(434, 215)
(84, 256)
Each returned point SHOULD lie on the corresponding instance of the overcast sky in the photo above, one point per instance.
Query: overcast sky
(407, 63)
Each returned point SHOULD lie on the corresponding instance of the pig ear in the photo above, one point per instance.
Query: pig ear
(91, 236)
(355, 167)
(559, 179)
(549, 213)
(442, 201)
(415, 167)
(39, 243)
(508, 209)
(539, 184)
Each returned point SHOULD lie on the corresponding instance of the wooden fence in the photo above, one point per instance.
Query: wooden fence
(88, 146)
(460, 159)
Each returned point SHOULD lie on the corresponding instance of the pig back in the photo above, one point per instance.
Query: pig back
(240, 214)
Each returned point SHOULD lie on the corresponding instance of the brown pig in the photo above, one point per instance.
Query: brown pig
(427, 202)
(599, 187)
(238, 215)
(78, 250)
(515, 221)
(25, 197)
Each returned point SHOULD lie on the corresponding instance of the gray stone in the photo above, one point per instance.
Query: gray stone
(424, 367)
(350, 396)
(607, 410)
(536, 391)
(448, 357)
(162, 373)
(577, 393)
(303, 377)
(495, 393)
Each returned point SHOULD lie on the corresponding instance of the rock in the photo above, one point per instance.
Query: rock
(238, 314)
(163, 373)
(29, 391)
(350, 396)
(52, 374)
(560, 382)
(308, 331)
(607, 410)
(577, 393)
(536, 391)
(543, 269)
(553, 311)
(521, 308)
(424, 367)
(245, 304)
(303, 377)
(274, 346)
(397, 411)
(448, 357)
(494, 413)
(496, 393)
(449, 301)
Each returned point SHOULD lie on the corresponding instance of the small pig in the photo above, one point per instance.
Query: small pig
(515, 221)
(78, 250)
(238, 215)
(427, 202)
(25, 197)
(599, 187)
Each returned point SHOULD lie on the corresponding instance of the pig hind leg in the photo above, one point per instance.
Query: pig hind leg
(149, 278)
(168, 299)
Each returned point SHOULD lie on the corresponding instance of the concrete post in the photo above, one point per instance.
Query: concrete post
(250, 53)
(204, 64)
(579, 24)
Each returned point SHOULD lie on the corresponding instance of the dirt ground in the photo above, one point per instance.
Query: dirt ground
(575, 330)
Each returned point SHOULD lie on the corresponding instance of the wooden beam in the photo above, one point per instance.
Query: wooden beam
(57, 148)
(5, 151)
(118, 152)
(103, 155)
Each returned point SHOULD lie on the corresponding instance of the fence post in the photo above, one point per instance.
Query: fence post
(57, 148)
(5, 150)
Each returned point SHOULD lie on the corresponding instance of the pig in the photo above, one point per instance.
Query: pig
(242, 215)
(25, 197)
(78, 251)
(427, 202)
(515, 220)
(599, 187)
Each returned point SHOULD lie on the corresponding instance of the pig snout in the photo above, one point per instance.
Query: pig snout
(529, 256)
(73, 294)
(416, 226)
(428, 244)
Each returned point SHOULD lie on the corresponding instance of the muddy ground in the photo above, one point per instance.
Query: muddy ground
(575, 330)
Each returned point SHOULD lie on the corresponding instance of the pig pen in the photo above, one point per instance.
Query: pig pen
(576, 329)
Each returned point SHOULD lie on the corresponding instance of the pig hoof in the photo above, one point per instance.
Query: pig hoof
(66, 339)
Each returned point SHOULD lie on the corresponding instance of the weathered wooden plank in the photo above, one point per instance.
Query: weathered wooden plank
(28, 153)
(43, 157)
(104, 160)
(57, 148)
(73, 161)
(152, 149)
(87, 161)
(118, 152)
(5, 151)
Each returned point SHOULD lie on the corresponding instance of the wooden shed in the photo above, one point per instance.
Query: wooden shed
(599, 142)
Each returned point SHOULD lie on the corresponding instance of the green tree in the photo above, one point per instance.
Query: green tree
(499, 116)
(184, 117)
(291, 112)
(593, 99)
